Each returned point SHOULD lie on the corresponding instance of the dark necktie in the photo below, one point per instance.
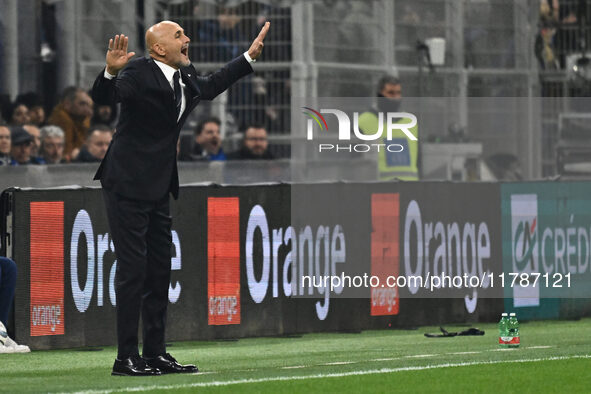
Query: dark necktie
(177, 92)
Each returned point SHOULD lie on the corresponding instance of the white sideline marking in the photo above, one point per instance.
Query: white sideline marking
(539, 347)
(464, 353)
(339, 363)
(384, 359)
(326, 375)
(421, 355)
(510, 349)
(294, 367)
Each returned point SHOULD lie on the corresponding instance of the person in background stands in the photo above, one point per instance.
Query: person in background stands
(18, 114)
(36, 112)
(255, 145)
(4, 145)
(36, 134)
(22, 143)
(208, 142)
(73, 115)
(96, 145)
(52, 145)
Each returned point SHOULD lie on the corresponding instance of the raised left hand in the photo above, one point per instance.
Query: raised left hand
(257, 45)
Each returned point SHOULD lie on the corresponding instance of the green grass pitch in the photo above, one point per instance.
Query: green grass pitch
(555, 356)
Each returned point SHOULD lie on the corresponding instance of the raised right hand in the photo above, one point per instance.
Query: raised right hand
(117, 56)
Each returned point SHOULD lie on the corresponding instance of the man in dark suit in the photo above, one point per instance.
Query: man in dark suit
(139, 171)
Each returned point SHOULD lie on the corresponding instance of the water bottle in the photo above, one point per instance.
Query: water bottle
(513, 327)
(504, 331)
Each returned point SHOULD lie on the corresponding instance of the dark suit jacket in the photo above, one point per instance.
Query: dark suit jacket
(141, 160)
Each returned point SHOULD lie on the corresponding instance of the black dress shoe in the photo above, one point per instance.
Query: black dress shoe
(167, 364)
(133, 366)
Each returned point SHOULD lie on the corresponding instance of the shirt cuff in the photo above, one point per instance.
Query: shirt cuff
(109, 76)
(248, 58)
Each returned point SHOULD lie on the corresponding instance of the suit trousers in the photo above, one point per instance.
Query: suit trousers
(141, 232)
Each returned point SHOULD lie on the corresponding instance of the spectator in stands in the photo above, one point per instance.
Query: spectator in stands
(4, 145)
(20, 151)
(255, 145)
(219, 38)
(36, 134)
(96, 145)
(52, 145)
(208, 142)
(18, 114)
(7, 289)
(73, 115)
(36, 108)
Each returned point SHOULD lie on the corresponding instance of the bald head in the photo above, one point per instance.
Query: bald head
(168, 43)
(155, 33)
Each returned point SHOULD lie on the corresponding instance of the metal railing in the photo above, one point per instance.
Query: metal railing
(315, 48)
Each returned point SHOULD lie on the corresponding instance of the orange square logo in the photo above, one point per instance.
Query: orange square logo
(385, 252)
(223, 260)
(47, 268)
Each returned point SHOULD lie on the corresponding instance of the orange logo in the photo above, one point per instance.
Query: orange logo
(223, 260)
(47, 268)
(385, 253)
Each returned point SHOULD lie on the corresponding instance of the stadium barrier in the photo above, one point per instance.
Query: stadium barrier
(240, 254)
(222, 172)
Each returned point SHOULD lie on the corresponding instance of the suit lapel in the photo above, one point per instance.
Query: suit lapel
(188, 74)
(192, 92)
(165, 86)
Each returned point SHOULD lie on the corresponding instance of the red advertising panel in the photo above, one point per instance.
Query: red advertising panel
(223, 260)
(385, 255)
(47, 268)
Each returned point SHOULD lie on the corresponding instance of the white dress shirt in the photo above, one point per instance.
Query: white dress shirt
(168, 72)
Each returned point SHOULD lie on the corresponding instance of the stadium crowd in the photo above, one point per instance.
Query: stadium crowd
(78, 131)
